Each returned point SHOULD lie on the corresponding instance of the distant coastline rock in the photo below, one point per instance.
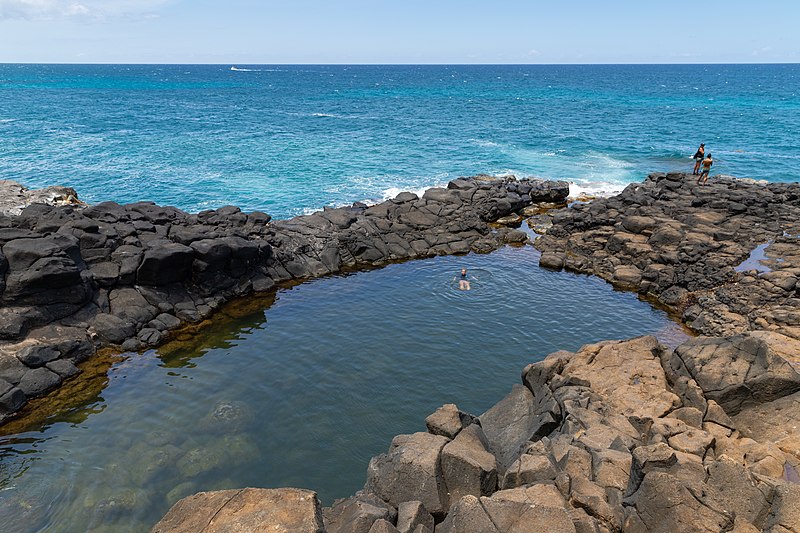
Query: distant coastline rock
(15, 197)
(77, 278)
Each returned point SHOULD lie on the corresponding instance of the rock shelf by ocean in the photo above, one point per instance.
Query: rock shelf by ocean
(621, 435)
(77, 278)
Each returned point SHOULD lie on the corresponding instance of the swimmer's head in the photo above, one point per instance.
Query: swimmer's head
(463, 271)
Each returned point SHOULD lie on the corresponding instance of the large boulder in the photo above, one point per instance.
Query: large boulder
(467, 466)
(21, 254)
(411, 470)
(251, 510)
(111, 329)
(45, 271)
(357, 514)
(627, 374)
(165, 263)
(509, 424)
(448, 421)
(665, 503)
(38, 381)
(490, 515)
(735, 372)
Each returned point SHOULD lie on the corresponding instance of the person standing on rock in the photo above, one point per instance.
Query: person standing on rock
(698, 158)
(707, 162)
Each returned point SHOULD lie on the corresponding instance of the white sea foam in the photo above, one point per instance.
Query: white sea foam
(236, 69)
(7, 120)
(601, 189)
(391, 192)
(484, 143)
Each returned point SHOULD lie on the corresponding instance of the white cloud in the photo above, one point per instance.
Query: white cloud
(87, 9)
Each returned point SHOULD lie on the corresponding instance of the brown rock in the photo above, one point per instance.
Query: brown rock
(737, 371)
(251, 510)
(382, 526)
(529, 469)
(448, 420)
(410, 471)
(693, 441)
(539, 494)
(356, 514)
(627, 374)
(413, 515)
(467, 466)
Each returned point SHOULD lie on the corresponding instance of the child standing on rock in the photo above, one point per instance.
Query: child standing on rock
(698, 158)
(707, 162)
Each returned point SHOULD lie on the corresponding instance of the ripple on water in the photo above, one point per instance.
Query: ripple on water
(304, 393)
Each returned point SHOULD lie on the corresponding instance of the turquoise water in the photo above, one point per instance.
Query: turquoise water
(287, 139)
(305, 391)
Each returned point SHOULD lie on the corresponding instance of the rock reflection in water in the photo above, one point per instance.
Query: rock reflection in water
(302, 394)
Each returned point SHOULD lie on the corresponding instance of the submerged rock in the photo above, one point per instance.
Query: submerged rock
(227, 416)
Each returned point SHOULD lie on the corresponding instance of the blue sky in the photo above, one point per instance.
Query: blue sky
(399, 31)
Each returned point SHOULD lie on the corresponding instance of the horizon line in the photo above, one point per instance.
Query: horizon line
(397, 64)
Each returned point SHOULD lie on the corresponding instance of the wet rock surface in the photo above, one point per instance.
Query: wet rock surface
(76, 278)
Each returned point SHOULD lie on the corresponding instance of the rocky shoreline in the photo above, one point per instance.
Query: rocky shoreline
(75, 278)
(621, 435)
(688, 246)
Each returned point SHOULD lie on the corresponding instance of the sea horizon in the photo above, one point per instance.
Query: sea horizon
(292, 139)
(409, 64)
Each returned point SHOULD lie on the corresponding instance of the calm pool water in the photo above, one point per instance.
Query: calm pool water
(304, 392)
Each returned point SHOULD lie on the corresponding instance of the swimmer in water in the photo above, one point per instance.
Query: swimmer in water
(463, 283)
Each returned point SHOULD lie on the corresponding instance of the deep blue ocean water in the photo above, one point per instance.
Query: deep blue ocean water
(289, 139)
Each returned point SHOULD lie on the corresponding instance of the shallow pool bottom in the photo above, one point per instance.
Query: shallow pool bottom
(305, 392)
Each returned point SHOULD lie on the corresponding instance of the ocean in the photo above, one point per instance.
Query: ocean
(291, 139)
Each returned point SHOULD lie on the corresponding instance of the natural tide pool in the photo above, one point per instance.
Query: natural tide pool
(305, 392)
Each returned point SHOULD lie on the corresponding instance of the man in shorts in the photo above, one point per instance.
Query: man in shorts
(707, 162)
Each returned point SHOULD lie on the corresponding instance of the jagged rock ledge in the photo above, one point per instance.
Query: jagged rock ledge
(74, 278)
(688, 246)
(621, 435)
